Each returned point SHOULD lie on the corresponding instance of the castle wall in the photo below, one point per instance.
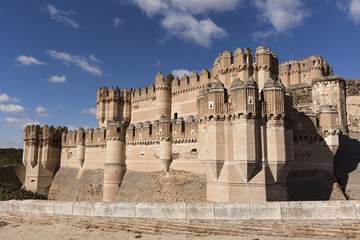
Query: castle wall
(301, 96)
(143, 107)
(331, 91)
(353, 108)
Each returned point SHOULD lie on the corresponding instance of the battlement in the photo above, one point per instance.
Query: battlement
(112, 95)
(304, 70)
(151, 133)
(36, 133)
(194, 82)
(91, 136)
(144, 94)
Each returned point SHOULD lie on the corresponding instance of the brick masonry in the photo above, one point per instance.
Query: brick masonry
(325, 220)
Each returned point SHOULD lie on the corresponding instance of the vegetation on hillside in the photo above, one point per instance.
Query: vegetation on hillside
(12, 192)
(10, 156)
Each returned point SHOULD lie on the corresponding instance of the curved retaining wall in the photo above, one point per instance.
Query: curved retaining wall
(320, 210)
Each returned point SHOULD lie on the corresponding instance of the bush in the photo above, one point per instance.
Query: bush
(10, 156)
(12, 192)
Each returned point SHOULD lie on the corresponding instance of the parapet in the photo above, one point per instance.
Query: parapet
(46, 133)
(112, 95)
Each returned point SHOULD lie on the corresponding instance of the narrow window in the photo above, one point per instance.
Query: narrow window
(211, 105)
(314, 63)
(192, 132)
(300, 126)
(304, 66)
(251, 100)
(245, 59)
(175, 115)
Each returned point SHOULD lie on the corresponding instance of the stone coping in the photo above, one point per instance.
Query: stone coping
(309, 210)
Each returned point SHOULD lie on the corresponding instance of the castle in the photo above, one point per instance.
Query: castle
(245, 124)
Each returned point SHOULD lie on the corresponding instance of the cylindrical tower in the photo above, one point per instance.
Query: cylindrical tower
(285, 74)
(295, 73)
(163, 95)
(165, 142)
(80, 140)
(114, 168)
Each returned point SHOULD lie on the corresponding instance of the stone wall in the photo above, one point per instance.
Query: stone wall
(302, 96)
(317, 220)
(13, 174)
(353, 107)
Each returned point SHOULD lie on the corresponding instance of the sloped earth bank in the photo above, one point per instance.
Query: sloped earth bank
(72, 184)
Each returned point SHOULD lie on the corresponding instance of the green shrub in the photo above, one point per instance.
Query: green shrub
(10, 156)
(12, 192)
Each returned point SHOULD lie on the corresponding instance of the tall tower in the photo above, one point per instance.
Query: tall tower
(267, 65)
(114, 167)
(165, 142)
(163, 95)
(41, 156)
(279, 154)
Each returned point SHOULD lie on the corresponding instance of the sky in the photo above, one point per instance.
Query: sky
(55, 55)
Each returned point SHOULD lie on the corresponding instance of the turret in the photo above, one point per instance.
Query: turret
(267, 65)
(101, 98)
(163, 95)
(284, 74)
(165, 142)
(243, 61)
(114, 167)
(126, 98)
(80, 138)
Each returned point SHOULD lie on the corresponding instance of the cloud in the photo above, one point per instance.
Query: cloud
(28, 61)
(118, 21)
(180, 73)
(11, 141)
(19, 123)
(352, 7)
(42, 112)
(74, 128)
(6, 98)
(190, 29)
(11, 108)
(283, 15)
(57, 79)
(87, 64)
(158, 64)
(90, 111)
(180, 18)
(61, 16)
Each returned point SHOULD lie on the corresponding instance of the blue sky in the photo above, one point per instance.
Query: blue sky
(55, 55)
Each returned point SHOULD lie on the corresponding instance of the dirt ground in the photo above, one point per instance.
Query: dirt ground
(86, 185)
(24, 231)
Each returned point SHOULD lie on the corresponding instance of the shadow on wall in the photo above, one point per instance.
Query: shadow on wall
(311, 177)
(13, 175)
(346, 163)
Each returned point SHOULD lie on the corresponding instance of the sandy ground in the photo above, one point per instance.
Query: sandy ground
(23, 231)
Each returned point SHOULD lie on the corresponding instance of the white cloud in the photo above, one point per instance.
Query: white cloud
(190, 29)
(19, 123)
(87, 64)
(6, 98)
(90, 111)
(158, 64)
(355, 11)
(57, 79)
(11, 108)
(352, 7)
(179, 18)
(118, 21)
(74, 128)
(11, 141)
(42, 112)
(283, 15)
(61, 16)
(180, 73)
(28, 61)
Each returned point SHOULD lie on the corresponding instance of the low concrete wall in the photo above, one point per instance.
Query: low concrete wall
(321, 210)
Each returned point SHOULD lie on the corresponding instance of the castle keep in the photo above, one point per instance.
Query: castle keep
(246, 124)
